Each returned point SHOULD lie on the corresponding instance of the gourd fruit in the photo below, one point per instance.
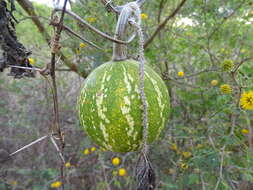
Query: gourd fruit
(110, 107)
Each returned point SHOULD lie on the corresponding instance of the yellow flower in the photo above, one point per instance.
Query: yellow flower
(214, 82)
(56, 184)
(243, 50)
(86, 151)
(31, 61)
(91, 19)
(114, 173)
(67, 165)
(184, 166)
(144, 16)
(246, 100)
(103, 149)
(225, 88)
(187, 154)
(93, 149)
(180, 73)
(200, 145)
(245, 131)
(227, 65)
(116, 161)
(172, 171)
(174, 147)
(122, 172)
(82, 45)
(14, 183)
(222, 50)
(78, 51)
(196, 170)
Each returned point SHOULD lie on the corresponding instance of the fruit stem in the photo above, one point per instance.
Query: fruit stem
(120, 50)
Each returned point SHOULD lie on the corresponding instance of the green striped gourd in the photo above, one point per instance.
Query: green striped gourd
(110, 106)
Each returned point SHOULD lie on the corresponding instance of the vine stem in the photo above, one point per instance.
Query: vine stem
(89, 26)
(54, 49)
(131, 13)
(141, 88)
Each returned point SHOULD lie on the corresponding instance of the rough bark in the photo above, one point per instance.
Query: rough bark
(12, 51)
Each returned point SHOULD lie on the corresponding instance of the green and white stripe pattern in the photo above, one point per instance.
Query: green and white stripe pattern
(110, 108)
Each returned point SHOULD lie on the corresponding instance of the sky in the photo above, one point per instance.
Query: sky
(182, 21)
(49, 2)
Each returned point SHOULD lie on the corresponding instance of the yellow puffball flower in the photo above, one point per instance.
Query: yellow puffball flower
(196, 170)
(82, 45)
(78, 51)
(243, 51)
(116, 161)
(227, 65)
(14, 183)
(122, 172)
(222, 50)
(144, 16)
(174, 147)
(114, 173)
(184, 166)
(246, 100)
(225, 88)
(67, 165)
(180, 73)
(56, 184)
(93, 149)
(172, 171)
(214, 82)
(86, 151)
(187, 154)
(91, 19)
(31, 61)
(103, 149)
(200, 145)
(245, 131)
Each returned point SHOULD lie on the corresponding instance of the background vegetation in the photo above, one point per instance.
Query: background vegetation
(208, 141)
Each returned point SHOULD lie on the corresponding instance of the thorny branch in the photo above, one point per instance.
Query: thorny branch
(221, 167)
(69, 30)
(163, 24)
(102, 34)
(110, 6)
(117, 9)
(250, 135)
(29, 9)
(54, 50)
(233, 75)
(57, 149)
(161, 7)
(23, 148)
(224, 20)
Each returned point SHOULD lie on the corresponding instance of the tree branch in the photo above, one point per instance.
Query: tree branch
(70, 31)
(110, 7)
(29, 9)
(102, 34)
(163, 24)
